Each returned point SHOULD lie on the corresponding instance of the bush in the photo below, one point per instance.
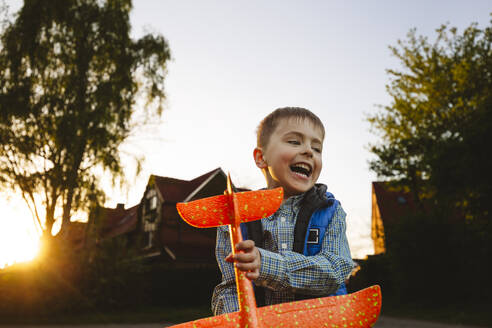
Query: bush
(375, 270)
(432, 257)
(99, 280)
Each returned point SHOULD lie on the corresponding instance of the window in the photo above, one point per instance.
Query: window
(150, 201)
(150, 217)
(153, 203)
(149, 233)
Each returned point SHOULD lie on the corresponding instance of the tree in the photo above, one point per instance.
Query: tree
(435, 133)
(70, 77)
(435, 137)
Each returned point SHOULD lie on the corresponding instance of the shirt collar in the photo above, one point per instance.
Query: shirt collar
(293, 203)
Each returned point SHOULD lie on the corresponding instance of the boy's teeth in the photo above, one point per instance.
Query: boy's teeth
(301, 168)
(304, 166)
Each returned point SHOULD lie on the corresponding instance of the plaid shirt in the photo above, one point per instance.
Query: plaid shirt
(284, 271)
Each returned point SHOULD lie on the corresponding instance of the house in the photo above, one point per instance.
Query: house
(154, 225)
(113, 222)
(388, 204)
(163, 230)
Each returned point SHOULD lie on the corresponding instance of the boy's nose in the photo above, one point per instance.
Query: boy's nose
(307, 151)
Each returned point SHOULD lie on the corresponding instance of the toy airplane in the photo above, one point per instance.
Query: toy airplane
(360, 309)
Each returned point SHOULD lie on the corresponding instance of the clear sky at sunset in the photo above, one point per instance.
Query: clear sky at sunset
(235, 61)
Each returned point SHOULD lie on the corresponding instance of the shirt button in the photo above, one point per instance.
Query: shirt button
(284, 245)
(282, 219)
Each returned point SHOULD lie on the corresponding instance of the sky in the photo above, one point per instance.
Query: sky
(233, 62)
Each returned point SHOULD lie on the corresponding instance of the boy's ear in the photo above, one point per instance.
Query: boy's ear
(259, 159)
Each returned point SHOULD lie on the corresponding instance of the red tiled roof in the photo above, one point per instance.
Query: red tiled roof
(118, 221)
(115, 222)
(392, 203)
(175, 190)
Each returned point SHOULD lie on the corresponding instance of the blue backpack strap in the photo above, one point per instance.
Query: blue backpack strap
(314, 199)
(320, 220)
(316, 231)
(341, 291)
(244, 230)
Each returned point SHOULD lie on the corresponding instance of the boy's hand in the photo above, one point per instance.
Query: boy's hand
(248, 260)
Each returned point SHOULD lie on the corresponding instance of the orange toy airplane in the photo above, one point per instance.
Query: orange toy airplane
(360, 309)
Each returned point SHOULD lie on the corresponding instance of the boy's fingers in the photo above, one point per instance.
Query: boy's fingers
(244, 257)
(240, 257)
(245, 245)
(247, 266)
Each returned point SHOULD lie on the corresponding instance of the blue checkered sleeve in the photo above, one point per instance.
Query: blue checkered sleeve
(224, 299)
(287, 272)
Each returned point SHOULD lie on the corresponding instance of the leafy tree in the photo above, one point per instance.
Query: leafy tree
(435, 137)
(435, 133)
(69, 78)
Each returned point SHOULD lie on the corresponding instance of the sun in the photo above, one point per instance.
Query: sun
(19, 240)
(17, 244)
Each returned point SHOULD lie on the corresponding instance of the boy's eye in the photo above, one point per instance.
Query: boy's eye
(294, 142)
(316, 149)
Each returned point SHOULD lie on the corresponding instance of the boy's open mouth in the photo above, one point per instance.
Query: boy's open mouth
(302, 168)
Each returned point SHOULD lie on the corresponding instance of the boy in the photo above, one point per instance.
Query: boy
(289, 147)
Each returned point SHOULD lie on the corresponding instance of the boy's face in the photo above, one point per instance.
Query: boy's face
(292, 157)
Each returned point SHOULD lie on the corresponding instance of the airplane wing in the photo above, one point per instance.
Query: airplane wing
(214, 211)
(360, 309)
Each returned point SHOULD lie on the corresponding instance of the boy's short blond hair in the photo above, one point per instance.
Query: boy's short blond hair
(270, 122)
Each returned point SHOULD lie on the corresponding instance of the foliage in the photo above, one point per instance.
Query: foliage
(443, 260)
(99, 280)
(432, 270)
(375, 270)
(435, 137)
(436, 130)
(69, 78)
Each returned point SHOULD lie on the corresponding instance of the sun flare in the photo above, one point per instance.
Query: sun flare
(20, 246)
(19, 240)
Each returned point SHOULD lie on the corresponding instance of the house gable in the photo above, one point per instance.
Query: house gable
(214, 185)
(172, 237)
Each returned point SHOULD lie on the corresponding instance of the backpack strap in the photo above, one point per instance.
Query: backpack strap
(253, 230)
(315, 233)
(314, 199)
(316, 229)
(316, 211)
